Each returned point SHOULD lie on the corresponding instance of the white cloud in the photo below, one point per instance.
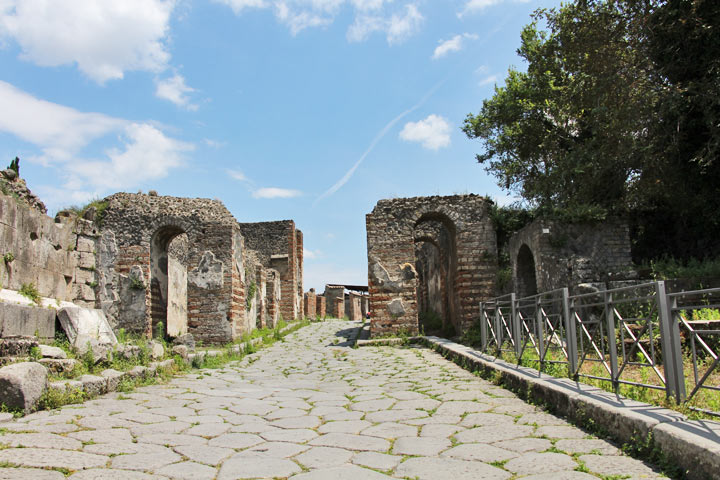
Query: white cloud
(370, 16)
(62, 133)
(433, 132)
(403, 26)
(274, 192)
(237, 175)
(105, 38)
(175, 90)
(488, 80)
(147, 154)
(474, 6)
(455, 44)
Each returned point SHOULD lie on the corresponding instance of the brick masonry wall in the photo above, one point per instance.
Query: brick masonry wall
(333, 293)
(392, 278)
(355, 312)
(320, 308)
(310, 309)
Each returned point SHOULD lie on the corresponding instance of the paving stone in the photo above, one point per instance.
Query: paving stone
(617, 465)
(492, 433)
(107, 474)
(297, 435)
(204, 453)
(423, 468)
(481, 419)
(561, 476)
(123, 448)
(274, 450)
(29, 474)
(106, 435)
(235, 440)
(145, 461)
(480, 452)
(285, 413)
(172, 439)
(208, 430)
(378, 461)
(346, 472)
(395, 415)
(524, 445)
(373, 405)
(461, 407)
(587, 445)
(40, 440)
(421, 404)
(349, 426)
(5, 417)
(531, 463)
(45, 457)
(306, 421)
(541, 419)
(237, 468)
(391, 430)
(188, 471)
(434, 420)
(351, 442)
(323, 457)
(427, 446)
(560, 432)
(440, 430)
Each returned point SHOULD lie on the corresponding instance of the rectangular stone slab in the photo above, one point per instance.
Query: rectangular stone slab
(84, 321)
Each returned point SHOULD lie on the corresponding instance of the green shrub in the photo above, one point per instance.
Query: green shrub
(136, 283)
(29, 290)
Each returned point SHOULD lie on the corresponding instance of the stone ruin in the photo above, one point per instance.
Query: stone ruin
(352, 305)
(184, 265)
(429, 255)
(431, 260)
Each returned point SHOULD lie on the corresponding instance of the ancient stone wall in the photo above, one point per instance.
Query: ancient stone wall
(279, 246)
(137, 231)
(461, 223)
(335, 298)
(355, 312)
(547, 255)
(56, 257)
(273, 298)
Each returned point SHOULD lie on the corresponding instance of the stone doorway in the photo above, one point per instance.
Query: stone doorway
(168, 281)
(525, 272)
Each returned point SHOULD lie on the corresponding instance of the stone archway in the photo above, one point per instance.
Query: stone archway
(525, 272)
(436, 266)
(168, 280)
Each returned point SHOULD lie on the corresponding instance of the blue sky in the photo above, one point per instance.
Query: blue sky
(311, 110)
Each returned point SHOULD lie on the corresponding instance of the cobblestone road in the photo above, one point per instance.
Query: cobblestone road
(307, 408)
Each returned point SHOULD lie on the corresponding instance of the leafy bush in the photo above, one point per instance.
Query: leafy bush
(29, 290)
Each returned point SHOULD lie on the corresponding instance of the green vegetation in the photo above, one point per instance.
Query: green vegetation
(8, 257)
(252, 289)
(29, 290)
(616, 114)
(136, 283)
(99, 205)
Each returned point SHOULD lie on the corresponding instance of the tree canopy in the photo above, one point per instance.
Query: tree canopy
(618, 111)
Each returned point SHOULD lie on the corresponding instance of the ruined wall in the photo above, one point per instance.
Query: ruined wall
(279, 246)
(137, 230)
(562, 255)
(310, 304)
(321, 307)
(335, 298)
(355, 312)
(273, 298)
(392, 277)
(57, 257)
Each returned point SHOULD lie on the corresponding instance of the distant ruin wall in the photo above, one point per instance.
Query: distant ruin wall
(556, 255)
(335, 298)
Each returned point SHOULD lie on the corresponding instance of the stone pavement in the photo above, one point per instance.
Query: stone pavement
(310, 408)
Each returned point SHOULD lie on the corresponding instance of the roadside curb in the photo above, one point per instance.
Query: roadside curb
(692, 445)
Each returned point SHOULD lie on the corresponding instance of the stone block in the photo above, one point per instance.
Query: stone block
(17, 346)
(83, 276)
(82, 321)
(27, 320)
(86, 260)
(85, 244)
(113, 378)
(59, 365)
(93, 385)
(48, 351)
(180, 350)
(101, 352)
(22, 385)
(157, 351)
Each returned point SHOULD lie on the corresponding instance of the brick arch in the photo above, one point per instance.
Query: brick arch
(392, 276)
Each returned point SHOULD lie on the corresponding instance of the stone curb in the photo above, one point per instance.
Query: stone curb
(109, 379)
(378, 342)
(693, 445)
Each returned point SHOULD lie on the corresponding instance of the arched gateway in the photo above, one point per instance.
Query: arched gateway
(429, 257)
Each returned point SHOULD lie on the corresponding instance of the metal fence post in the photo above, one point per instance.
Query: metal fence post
(498, 327)
(611, 341)
(515, 326)
(671, 349)
(539, 331)
(483, 328)
(570, 333)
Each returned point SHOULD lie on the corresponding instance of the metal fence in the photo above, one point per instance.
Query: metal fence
(638, 335)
